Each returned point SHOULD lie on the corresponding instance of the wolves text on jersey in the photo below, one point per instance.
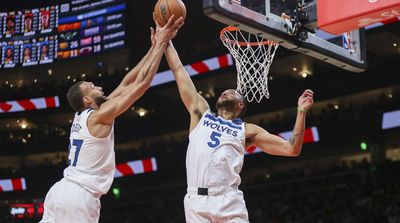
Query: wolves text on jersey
(76, 127)
(219, 127)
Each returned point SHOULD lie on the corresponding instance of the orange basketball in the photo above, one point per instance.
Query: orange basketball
(164, 9)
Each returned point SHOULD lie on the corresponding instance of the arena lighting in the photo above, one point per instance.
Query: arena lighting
(391, 119)
(24, 125)
(116, 192)
(142, 112)
(363, 146)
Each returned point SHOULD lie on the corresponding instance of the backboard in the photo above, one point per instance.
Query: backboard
(264, 18)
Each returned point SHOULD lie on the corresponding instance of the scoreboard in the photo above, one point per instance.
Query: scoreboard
(72, 29)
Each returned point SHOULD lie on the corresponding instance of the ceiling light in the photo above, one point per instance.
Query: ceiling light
(35, 81)
(24, 140)
(6, 82)
(390, 96)
(50, 72)
(24, 125)
(100, 74)
(394, 44)
(336, 107)
(304, 74)
(142, 112)
(68, 77)
(18, 121)
(294, 68)
(126, 68)
(74, 80)
(29, 135)
(11, 85)
(83, 75)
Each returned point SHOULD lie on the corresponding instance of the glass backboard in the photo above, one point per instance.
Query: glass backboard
(264, 17)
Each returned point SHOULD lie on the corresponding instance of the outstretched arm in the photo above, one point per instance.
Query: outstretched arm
(275, 145)
(130, 77)
(113, 107)
(194, 102)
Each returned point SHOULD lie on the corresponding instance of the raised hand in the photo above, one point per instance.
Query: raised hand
(169, 31)
(306, 100)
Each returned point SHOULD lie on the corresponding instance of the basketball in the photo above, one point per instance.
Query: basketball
(164, 9)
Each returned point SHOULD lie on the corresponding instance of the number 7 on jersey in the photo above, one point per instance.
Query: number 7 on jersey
(78, 145)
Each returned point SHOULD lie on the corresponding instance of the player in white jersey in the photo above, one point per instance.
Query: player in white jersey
(75, 198)
(217, 145)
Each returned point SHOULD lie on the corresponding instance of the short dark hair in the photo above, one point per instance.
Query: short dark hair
(75, 97)
(244, 105)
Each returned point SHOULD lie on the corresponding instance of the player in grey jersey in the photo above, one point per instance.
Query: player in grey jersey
(217, 145)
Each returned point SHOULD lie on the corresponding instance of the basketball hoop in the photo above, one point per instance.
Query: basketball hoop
(253, 58)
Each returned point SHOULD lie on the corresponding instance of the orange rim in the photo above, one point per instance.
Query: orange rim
(241, 43)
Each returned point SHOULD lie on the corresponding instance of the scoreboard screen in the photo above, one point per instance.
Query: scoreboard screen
(72, 29)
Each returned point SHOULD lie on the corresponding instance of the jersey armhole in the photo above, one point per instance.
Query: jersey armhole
(88, 130)
(197, 126)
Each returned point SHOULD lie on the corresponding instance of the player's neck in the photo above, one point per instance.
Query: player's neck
(226, 114)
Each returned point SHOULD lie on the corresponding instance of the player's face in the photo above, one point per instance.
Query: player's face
(45, 49)
(9, 53)
(27, 52)
(229, 99)
(10, 23)
(94, 93)
(28, 23)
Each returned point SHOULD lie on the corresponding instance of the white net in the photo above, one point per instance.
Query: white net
(253, 58)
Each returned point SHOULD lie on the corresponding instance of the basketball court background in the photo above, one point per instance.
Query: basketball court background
(347, 170)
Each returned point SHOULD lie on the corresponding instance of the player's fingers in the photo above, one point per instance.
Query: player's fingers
(309, 91)
(170, 22)
(151, 32)
(155, 20)
(179, 22)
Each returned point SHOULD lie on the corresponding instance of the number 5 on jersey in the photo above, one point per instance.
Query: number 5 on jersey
(214, 140)
(77, 143)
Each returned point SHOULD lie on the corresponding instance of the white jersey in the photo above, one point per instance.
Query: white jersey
(215, 153)
(91, 160)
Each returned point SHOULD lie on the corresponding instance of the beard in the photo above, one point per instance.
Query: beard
(100, 100)
(227, 104)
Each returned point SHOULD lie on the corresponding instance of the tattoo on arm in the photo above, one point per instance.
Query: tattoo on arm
(292, 139)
